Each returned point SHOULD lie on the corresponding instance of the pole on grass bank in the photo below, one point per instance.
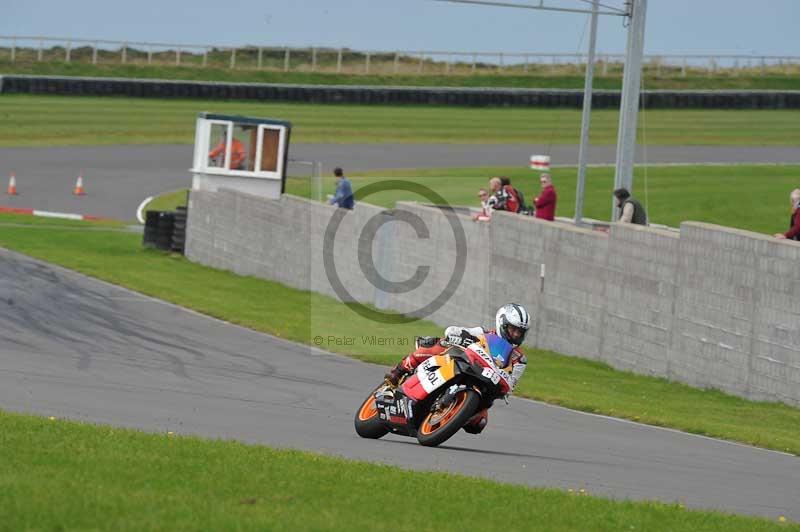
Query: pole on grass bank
(583, 153)
(629, 104)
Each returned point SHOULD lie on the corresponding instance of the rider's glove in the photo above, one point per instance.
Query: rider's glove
(427, 341)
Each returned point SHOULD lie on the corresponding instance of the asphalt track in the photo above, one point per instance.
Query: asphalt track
(77, 348)
(118, 178)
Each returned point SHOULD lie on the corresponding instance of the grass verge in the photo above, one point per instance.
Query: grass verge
(566, 77)
(36, 120)
(168, 201)
(273, 308)
(751, 197)
(60, 475)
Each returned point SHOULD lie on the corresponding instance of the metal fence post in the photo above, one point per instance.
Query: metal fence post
(286, 60)
(313, 59)
(474, 62)
(124, 52)
(316, 171)
(205, 57)
(39, 52)
(527, 60)
(178, 56)
(421, 61)
(259, 57)
(149, 54)
(366, 63)
(339, 61)
(13, 49)
(94, 54)
(68, 51)
(233, 58)
(447, 65)
(396, 62)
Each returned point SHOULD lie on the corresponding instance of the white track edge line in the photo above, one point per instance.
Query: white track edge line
(141, 207)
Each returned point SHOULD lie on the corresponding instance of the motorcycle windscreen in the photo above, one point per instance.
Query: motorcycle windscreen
(499, 349)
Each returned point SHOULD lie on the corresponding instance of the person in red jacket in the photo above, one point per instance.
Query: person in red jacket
(545, 203)
(794, 222)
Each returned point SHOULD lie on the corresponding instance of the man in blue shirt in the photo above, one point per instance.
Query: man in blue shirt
(344, 191)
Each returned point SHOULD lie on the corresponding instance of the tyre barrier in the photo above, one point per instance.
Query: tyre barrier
(165, 230)
(475, 97)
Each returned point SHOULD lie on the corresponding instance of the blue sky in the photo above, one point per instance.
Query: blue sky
(673, 26)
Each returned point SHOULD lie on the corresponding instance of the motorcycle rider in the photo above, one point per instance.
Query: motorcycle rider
(512, 322)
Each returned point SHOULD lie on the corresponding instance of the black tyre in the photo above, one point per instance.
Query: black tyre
(437, 427)
(367, 422)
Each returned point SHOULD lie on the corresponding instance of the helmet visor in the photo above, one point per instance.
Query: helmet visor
(515, 334)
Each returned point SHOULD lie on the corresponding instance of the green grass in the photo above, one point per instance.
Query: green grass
(296, 315)
(28, 120)
(63, 475)
(722, 195)
(167, 201)
(564, 77)
(752, 197)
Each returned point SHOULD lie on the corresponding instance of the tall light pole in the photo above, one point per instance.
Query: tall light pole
(583, 153)
(629, 104)
(634, 13)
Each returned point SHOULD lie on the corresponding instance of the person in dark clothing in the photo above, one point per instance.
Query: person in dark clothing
(794, 222)
(630, 210)
(344, 191)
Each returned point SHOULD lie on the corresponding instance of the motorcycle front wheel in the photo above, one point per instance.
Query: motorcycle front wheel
(439, 425)
(367, 422)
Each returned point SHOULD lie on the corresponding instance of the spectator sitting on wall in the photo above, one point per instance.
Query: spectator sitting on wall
(545, 202)
(794, 222)
(344, 191)
(516, 203)
(486, 207)
(237, 153)
(630, 210)
(499, 195)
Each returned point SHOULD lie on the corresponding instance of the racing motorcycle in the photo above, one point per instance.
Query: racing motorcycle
(441, 396)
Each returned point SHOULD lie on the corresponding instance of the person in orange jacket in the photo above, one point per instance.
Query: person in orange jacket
(237, 153)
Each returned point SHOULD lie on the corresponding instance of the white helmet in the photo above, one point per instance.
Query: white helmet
(516, 315)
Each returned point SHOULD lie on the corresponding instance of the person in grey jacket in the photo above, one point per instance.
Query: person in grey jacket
(630, 210)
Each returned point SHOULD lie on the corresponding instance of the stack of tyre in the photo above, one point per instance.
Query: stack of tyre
(165, 230)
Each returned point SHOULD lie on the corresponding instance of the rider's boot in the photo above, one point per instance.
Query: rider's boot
(478, 422)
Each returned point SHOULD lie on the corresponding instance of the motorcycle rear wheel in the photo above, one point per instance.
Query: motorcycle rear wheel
(437, 427)
(367, 422)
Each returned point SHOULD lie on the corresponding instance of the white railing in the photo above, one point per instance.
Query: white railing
(344, 60)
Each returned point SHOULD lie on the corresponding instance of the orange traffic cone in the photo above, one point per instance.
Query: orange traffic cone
(12, 185)
(78, 191)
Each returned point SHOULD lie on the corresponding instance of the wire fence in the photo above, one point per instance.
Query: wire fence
(32, 49)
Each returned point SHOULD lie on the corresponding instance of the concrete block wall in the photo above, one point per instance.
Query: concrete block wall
(639, 297)
(710, 306)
